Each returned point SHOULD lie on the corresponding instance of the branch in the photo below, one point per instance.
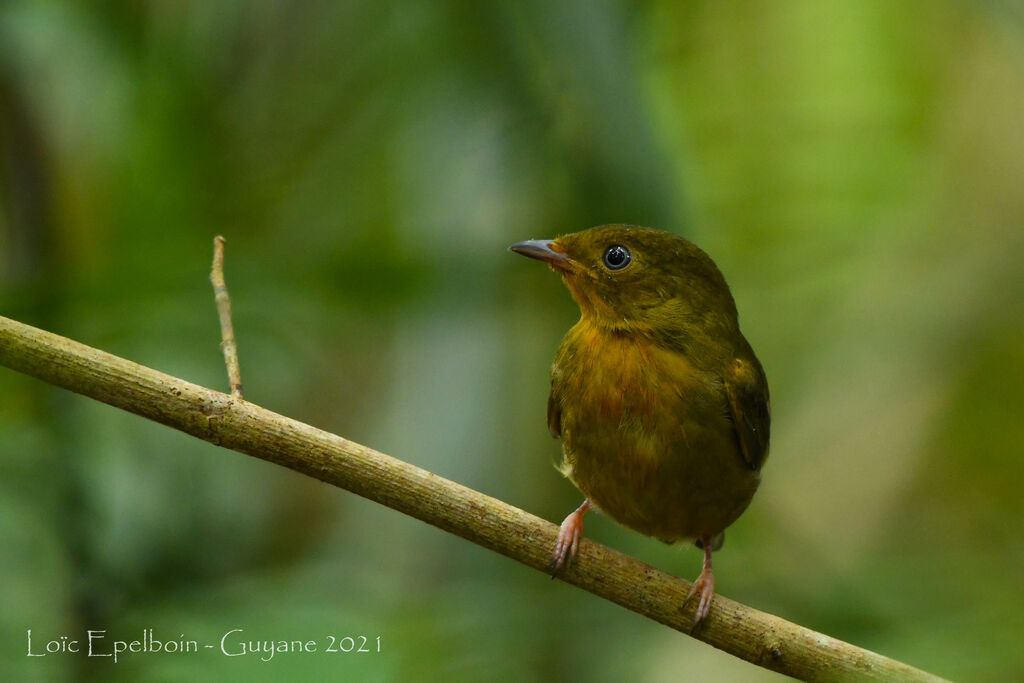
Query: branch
(747, 633)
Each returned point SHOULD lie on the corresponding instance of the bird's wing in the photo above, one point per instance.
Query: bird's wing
(747, 390)
(554, 413)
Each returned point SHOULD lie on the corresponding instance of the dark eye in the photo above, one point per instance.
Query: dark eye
(617, 257)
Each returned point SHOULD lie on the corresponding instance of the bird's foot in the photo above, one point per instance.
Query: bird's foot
(704, 585)
(568, 540)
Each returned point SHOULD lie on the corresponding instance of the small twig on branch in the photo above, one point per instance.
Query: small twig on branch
(763, 639)
(227, 330)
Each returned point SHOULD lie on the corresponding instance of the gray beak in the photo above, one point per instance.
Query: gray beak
(540, 250)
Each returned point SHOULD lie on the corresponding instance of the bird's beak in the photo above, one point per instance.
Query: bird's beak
(541, 250)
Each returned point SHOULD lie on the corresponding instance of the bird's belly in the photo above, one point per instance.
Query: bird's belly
(650, 443)
(681, 492)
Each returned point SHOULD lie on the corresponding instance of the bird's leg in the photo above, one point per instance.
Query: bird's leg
(568, 539)
(705, 585)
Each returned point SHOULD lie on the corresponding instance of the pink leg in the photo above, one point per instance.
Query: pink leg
(568, 540)
(705, 585)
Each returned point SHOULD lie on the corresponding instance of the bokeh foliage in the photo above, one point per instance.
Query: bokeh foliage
(854, 167)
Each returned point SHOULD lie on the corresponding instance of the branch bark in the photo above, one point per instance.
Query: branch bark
(758, 637)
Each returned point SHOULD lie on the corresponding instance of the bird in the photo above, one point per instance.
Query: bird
(660, 404)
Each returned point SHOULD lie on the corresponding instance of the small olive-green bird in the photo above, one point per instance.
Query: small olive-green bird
(660, 404)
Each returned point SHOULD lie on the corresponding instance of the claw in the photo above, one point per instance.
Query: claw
(568, 542)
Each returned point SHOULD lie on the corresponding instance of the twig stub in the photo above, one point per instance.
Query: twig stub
(227, 330)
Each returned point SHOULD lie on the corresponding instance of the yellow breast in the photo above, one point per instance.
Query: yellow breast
(646, 435)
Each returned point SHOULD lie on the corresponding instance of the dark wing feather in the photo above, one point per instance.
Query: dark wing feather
(747, 390)
(554, 415)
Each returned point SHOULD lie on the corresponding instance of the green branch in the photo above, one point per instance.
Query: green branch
(760, 638)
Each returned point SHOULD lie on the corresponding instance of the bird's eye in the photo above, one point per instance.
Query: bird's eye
(617, 257)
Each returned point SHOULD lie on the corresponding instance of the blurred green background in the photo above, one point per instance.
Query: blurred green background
(854, 167)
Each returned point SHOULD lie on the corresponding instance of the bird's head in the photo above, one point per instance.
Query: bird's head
(633, 279)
